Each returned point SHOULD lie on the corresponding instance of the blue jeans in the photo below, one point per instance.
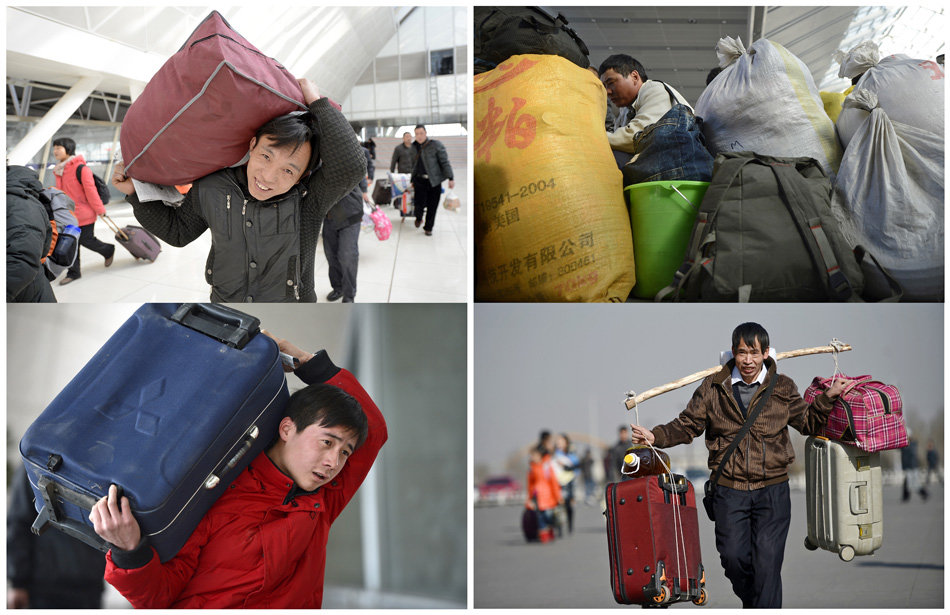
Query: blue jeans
(671, 149)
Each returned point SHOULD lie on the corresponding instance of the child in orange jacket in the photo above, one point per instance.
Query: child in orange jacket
(544, 492)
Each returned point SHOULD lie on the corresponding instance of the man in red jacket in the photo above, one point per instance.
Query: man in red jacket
(263, 543)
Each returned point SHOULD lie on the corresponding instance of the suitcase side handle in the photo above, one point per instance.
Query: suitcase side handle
(49, 515)
(249, 438)
(859, 498)
(222, 323)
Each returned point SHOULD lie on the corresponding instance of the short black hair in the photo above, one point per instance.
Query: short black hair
(328, 406)
(407, 133)
(67, 144)
(748, 332)
(623, 65)
(712, 74)
(293, 129)
(418, 126)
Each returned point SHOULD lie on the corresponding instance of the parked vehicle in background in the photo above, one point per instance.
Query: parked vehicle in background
(500, 490)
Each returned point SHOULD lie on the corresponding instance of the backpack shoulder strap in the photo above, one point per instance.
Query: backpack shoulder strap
(802, 211)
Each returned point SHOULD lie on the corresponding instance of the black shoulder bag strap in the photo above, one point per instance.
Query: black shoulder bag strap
(711, 484)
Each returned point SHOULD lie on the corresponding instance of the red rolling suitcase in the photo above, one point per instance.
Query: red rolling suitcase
(653, 541)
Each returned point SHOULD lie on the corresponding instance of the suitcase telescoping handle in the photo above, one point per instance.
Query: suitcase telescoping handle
(50, 515)
(222, 323)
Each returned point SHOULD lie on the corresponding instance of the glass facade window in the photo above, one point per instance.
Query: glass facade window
(442, 62)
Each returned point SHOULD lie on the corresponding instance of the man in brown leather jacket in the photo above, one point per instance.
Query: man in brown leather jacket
(751, 500)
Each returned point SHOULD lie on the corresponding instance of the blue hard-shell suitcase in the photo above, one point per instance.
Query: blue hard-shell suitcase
(171, 409)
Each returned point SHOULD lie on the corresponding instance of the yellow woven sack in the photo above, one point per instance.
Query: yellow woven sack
(833, 101)
(550, 218)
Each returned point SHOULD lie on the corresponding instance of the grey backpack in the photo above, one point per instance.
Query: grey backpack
(765, 232)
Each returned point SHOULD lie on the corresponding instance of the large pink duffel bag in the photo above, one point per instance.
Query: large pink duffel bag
(199, 111)
(867, 414)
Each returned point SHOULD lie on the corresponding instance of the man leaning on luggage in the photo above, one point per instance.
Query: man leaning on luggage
(265, 215)
(656, 134)
(263, 544)
(751, 500)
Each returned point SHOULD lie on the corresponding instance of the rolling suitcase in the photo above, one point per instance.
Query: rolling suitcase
(529, 524)
(843, 498)
(139, 242)
(653, 541)
(382, 192)
(171, 409)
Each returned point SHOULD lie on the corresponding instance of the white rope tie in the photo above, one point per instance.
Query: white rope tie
(678, 534)
(836, 348)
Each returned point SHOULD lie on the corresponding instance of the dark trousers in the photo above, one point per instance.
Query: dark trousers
(426, 198)
(341, 247)
(87, 239)
(751, 528)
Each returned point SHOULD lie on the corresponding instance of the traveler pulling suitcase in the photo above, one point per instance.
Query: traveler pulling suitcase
(653, 541)
(171, 409)
(139, 242)
(843, 498)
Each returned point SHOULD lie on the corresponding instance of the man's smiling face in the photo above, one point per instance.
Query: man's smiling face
(271, 170)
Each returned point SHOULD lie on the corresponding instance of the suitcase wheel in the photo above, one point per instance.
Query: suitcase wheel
(846, 553)
(663, 596)
(702, 598)
(810, 545)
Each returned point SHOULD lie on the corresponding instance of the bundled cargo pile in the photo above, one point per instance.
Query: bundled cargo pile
(890, 187)
(550, 218)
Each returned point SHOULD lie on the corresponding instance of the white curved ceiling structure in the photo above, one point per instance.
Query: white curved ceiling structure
(124, 46)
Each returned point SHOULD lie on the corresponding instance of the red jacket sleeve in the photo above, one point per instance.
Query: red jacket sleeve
(321, 369)
(89, 189)
(154, 585)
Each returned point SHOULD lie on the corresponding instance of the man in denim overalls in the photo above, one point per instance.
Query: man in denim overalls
(656, 135)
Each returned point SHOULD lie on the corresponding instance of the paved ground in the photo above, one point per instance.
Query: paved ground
(907, 571)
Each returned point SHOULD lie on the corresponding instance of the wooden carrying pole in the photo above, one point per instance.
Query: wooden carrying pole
(670, 386)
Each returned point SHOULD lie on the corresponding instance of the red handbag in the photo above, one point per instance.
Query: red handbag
(867, 414)
(198, 113)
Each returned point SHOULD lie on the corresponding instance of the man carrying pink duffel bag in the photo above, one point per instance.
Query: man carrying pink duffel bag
(265, 167)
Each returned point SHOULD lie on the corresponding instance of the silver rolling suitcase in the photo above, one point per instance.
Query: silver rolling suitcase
(843, 498)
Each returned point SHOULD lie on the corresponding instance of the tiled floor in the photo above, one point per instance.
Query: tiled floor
(407, 267)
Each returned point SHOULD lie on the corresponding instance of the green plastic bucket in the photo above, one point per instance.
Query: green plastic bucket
(661, 216)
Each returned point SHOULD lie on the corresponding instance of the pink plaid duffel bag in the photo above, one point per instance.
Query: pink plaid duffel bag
(868, 414)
